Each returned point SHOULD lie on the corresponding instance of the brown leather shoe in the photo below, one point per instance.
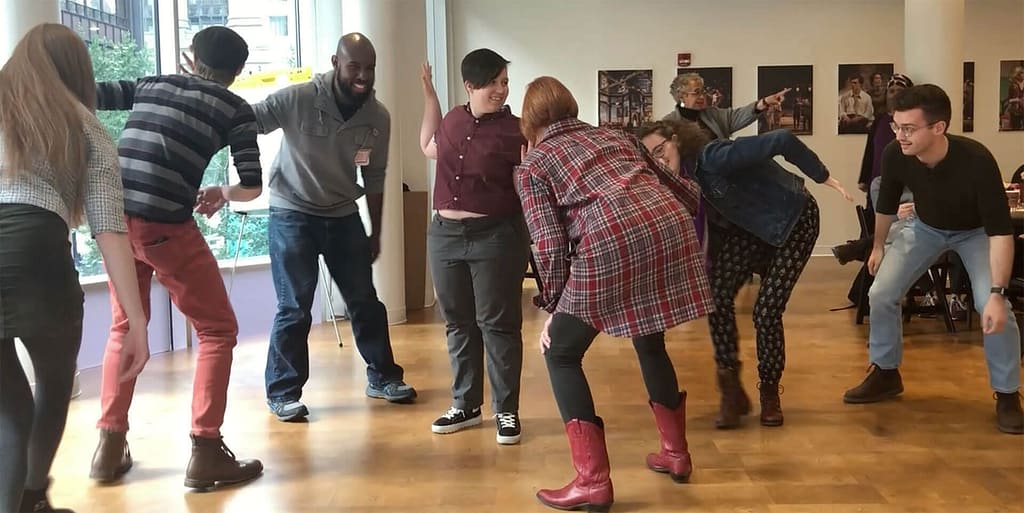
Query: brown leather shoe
(112, 459)
(879, 385)
(1009, 416)
(734, 403)
(213, 464)
(771, 405)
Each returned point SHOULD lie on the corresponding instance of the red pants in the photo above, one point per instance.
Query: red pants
(185, 266)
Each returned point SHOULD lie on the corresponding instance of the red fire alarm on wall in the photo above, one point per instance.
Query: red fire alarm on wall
(682, 60)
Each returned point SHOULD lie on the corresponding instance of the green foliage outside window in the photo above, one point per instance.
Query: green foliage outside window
(128, 61)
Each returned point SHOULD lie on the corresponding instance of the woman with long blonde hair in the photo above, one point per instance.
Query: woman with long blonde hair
(58, 165)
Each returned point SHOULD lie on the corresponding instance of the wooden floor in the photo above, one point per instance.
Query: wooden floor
(934, 450)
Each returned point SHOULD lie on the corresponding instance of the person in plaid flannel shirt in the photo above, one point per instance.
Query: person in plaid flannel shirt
(617, 252)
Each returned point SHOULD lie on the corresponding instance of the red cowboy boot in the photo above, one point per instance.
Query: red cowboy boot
(592, 488)
(674, 457)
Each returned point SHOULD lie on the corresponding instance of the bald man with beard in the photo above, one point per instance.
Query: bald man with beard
(333, 128)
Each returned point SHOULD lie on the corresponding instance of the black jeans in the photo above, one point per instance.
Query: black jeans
(296, 242)
(477, 266)
(570, 339)
(41, 303)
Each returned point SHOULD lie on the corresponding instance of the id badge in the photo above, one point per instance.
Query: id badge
(363, 157)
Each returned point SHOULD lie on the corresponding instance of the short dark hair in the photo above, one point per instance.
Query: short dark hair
(481, 66)
(854, 77)
(930, 98)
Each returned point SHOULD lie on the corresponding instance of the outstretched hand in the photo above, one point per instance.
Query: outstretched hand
(777, 98)
(833, 183)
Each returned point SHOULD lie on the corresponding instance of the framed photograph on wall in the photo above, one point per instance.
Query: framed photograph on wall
(1011, 95)
(861, 92)
(968, 97)
(796, 111)
(624, 98)
(717, 84)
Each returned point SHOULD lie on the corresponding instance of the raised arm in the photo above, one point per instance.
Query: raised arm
(431, 114)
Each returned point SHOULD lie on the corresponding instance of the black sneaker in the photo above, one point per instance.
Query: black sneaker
(508, 428)
(456, 420)
(288, 410)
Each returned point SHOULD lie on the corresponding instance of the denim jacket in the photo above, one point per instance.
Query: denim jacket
(742, 182)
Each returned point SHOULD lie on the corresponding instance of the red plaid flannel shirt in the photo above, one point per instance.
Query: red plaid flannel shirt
(613, 231)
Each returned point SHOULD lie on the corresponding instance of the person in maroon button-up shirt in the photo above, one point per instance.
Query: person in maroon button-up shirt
(477, 243)
(617, 252)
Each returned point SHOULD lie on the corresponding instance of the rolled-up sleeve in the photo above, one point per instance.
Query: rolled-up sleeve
(550, 240)
(104, 193)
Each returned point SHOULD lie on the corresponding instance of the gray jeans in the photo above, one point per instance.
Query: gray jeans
(477, 267)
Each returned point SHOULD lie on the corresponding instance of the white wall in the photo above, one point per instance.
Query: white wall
(572, 39)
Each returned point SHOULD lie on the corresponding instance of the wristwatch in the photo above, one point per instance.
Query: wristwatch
(999, 290)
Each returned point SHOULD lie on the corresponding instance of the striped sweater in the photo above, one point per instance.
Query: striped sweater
(178, 123)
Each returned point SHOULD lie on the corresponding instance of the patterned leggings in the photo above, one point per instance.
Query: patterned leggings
(732, 264)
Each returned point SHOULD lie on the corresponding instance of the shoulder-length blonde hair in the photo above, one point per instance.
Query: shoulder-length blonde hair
(546, 101)
(42, 86)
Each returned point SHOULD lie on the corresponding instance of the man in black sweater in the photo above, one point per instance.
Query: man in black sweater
(960, 205)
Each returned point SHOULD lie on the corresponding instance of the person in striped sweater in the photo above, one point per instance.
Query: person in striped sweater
(178, 122)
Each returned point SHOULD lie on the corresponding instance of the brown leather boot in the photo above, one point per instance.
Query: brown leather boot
(1009, 416)
(592, 488)
(771, 405)
(674, 457)
(213, 464)
(112, 458)
(734, 403)
(879, 385)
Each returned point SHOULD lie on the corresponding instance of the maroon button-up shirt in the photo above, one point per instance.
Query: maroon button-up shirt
(475, 162)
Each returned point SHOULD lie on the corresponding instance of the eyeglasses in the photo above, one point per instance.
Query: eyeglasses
(659, 150)
(696, 92)
(908, 130)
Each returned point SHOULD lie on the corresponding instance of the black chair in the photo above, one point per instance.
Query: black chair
(933, 280)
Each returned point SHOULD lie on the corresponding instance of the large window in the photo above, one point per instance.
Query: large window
(269, 27)
(121, 36)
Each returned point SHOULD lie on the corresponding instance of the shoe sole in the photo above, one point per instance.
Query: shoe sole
(204, 485)
(508, 440)
(678, 478)
(301, 413)
(403, 399)
(873, 399)
(588, 507)
(1012, 430)
(453, 428)
(107, 478)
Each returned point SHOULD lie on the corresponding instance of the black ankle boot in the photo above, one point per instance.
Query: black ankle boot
(36, 501)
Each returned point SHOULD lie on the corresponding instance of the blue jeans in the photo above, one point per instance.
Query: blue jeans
(914, 248)
(296, 242)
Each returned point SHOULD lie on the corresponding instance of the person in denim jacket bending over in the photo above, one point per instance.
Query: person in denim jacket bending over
(760, 215)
